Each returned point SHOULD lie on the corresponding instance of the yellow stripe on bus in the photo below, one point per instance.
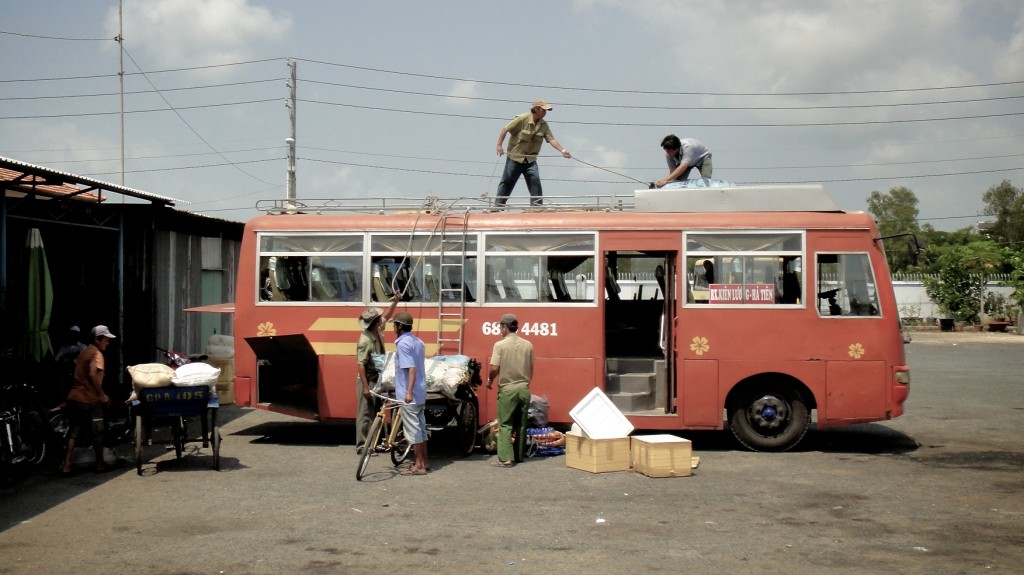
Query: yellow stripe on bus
(334, 348)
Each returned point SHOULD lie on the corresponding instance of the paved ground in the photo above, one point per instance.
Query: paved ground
(940, 490)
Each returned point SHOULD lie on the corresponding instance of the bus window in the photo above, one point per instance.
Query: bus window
(846, 286)
(757, 268)
(412, 265)
(540, 268)
(310, 267)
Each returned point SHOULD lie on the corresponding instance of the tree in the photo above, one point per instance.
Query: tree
(962, 274)
(1006, 203)
(896, 213)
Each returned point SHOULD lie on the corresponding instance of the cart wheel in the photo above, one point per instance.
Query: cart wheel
(179, 436)
(139, 439)
(469, 421)
(215, 440)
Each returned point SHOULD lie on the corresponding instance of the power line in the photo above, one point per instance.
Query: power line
(55, 37)
(658, 92)
(189, 126)
(662, 124)
(141, 72)
(101, 94)
(169, 108)
(675, 107)
(227, 163)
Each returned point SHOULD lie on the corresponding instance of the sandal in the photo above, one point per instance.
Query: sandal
(502, 464)
(409, 472)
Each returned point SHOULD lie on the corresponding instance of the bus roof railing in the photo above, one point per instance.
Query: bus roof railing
(773, 198)
(434, 204)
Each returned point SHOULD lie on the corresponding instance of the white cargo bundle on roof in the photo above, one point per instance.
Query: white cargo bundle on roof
(779, 198)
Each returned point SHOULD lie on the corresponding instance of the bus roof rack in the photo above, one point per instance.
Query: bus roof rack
(775, 198)
(436, 205)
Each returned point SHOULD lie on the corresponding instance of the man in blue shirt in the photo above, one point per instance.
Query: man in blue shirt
(411, 387)
(682, 156)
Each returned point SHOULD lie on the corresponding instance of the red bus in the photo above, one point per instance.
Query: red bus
(755, 308)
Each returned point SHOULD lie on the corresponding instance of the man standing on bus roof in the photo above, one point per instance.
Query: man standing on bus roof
(683, 156)
(528, 131)
(411, 388)
(512, 366)
(371, 342)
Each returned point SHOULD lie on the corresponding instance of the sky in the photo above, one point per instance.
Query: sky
(405, 99)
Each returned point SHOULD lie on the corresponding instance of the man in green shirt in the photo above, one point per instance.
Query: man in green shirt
(528, 131)
(512, 366)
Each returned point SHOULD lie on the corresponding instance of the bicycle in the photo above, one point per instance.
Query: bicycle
(386, 434)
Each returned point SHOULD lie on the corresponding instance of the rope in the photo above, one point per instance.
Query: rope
(649, 184)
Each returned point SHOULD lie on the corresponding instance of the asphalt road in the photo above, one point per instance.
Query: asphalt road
(939, 490)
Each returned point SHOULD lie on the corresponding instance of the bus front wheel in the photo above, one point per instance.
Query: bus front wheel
(773, 418)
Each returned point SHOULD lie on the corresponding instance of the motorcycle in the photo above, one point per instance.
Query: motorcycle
(26, 438)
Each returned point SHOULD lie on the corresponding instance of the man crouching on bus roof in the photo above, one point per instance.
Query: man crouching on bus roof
(411, 387)
(371, 342)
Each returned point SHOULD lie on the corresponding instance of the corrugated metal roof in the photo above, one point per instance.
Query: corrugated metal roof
(55, 183)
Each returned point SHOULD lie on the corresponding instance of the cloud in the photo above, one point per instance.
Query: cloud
(461, 90)
(176, 33)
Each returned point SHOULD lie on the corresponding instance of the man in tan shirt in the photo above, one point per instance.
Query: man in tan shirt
(87, 398)
(529, 131)
(512, 366)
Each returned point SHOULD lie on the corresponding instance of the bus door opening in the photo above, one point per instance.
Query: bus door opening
(639, 315)
(286, 373)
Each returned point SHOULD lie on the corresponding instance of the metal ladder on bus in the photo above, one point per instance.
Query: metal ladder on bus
(451, 309)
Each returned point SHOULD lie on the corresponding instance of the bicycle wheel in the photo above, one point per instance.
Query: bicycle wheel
(139, 439)
(372, 439)
(401, 446)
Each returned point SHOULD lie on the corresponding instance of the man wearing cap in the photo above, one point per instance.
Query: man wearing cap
(86, 399)
(512, 366)
(528, 131)
(371, 342)
(682, 156)
(411, 388)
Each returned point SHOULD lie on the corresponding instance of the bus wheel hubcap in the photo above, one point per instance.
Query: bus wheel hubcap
(769, 412)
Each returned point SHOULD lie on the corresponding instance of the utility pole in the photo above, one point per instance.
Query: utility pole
(290, 141)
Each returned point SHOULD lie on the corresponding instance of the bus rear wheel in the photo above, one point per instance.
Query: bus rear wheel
(773, 418)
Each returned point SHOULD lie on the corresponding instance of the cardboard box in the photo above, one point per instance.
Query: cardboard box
(597, 455)
(661, 455)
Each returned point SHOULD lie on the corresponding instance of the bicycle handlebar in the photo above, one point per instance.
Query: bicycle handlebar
(388, 398)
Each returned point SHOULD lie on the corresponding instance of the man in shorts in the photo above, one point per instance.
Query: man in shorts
(86, 398)
(411, 387)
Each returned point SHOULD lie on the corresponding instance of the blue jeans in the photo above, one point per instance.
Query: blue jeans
(513, 170)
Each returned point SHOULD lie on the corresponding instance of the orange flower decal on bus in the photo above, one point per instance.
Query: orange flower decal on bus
(856, 350)
(700, 345)
(265, 329)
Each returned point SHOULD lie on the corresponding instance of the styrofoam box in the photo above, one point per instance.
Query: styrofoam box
(661, 455)
(596, 455)
(598, 417)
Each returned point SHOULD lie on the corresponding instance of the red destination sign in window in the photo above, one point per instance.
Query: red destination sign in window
(739, 293)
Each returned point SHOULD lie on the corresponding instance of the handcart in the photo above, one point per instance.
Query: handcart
(176, 407)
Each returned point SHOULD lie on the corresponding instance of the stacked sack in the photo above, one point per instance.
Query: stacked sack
(220, 353)
(152, 375)
(444, 373)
